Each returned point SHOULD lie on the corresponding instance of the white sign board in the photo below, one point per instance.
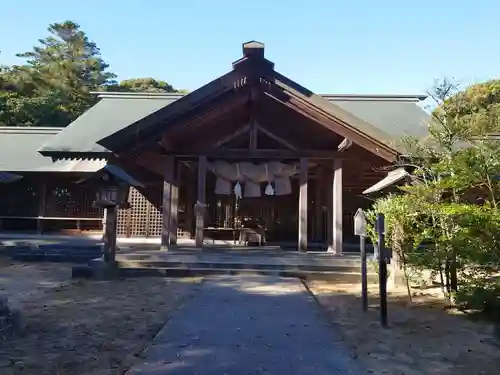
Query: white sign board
(360, 223)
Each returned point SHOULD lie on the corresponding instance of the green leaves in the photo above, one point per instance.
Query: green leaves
(448, 220)
(142, 85)
(52, 87)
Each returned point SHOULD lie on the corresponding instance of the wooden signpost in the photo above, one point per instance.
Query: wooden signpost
(384, 256)
(360, 230)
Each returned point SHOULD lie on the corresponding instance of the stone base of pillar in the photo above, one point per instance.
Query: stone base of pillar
(334, 251)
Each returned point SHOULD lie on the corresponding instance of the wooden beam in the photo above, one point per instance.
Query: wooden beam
(373, 146)
(335, 232)
(276, 138)
(344, 145)
(179, 110)
(200, 204)
(240, 131)
(165, 143)
(214, 113)
(253, 136)
(316, 105)
(168, 178)
(303, 205)
(234, 154)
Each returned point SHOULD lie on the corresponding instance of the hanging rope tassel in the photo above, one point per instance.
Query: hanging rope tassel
(269, 188)
(237, 188)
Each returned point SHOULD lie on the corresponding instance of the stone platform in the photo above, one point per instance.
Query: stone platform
(250, 261)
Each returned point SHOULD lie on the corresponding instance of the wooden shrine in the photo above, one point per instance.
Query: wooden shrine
(251, 157)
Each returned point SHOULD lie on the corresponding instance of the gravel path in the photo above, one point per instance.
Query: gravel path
(248, 325)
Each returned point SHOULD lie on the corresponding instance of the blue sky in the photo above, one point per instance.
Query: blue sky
(329, 46)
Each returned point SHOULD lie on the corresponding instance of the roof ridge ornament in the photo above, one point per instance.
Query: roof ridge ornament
(253, 48)
(253, 55)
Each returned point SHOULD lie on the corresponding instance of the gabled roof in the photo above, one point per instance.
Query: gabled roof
(120, 120)
(393, 114)
(18, 152)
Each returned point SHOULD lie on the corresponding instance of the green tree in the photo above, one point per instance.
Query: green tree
(53, 87)
(436, 223)
(141, 85)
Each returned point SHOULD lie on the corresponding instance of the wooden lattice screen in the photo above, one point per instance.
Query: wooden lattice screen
(65, 198)
(20, 199)
(142, 219)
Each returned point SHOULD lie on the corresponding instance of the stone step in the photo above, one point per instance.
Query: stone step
(88, 271)
(184, 265)
(35, 256)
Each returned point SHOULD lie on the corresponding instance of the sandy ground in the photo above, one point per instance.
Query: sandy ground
(424, 337)
(83, 327)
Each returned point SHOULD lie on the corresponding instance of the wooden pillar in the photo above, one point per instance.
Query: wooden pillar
(318, 205)
(167, 193)
(110, 235)
(189, 207)
(200, 203)
(104, 214)
(41, 207)
(335, 238)
(128, 215)
(303, 205)
(174, 204)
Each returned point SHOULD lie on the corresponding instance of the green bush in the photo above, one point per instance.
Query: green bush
(484, 298)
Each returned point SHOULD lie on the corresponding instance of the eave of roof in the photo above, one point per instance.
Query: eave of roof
(18, 152)
(392, 178)
(330, 96)
(111, 114)
(29, 130)
(355, 128)
(375, 97)
(397, 115)
(6, 177)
